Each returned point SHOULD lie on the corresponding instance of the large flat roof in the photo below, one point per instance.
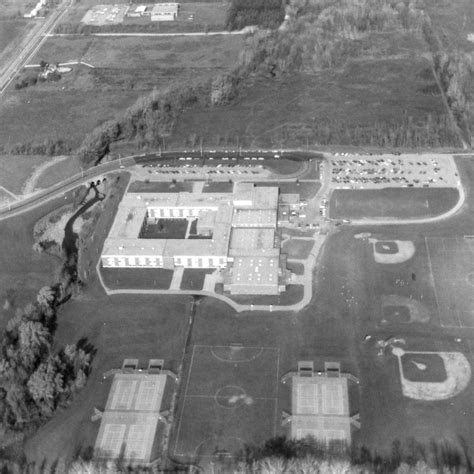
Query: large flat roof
(255, 275)
(123, 236)
(131, 415)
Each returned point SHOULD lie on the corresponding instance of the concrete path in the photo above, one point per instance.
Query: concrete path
(177, 277)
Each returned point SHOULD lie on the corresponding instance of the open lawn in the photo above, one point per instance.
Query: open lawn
(309, 110)
(297, 248)
(59, 171)
(391, 202)
(24, 271)
(120, 327)
(193, 278)
(452, 265)
(136, 278)
(165, 229)
(16, 169)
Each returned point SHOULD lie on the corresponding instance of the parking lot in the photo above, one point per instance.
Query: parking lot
(381, 171)
(197, 171)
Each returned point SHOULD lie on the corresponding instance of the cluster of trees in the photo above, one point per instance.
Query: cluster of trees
(35, 380)
(32, 80)
(308, 455)
(326, 34)
(433, 132)
(48, 146)
(455, 72)
(147, 122)
(262, 13)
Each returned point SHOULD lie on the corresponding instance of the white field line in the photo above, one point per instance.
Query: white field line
(433, 282)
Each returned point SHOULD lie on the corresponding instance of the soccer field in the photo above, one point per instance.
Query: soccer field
(230, 400)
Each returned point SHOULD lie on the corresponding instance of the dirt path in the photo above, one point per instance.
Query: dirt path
(30, 183)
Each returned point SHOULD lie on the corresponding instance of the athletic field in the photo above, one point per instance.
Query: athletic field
(230, 399)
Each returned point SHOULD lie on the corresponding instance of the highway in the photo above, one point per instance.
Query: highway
(35, 40)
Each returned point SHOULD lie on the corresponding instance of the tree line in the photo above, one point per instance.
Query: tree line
(261, 13)
(455, 72)
(36, 379)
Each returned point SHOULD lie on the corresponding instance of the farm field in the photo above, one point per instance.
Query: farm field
(11, 33)
(126, 69)
(391, 202)
(281, 112)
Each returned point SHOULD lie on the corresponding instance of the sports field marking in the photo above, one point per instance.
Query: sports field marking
(433, 282)
(212, 438)
(235, 350)
(238, 399)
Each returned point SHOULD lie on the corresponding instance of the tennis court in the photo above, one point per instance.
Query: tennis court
(451, 261)
(230, 400)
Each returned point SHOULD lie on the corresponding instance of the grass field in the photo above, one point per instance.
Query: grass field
(297, 248)
(137, 278)
(23, 271)
(273, 113)
(58, 172)
(126, 69)
(165, 229)
(193, 278)
(15, 170)
(230, 400)
(391, 202)
(452, 267)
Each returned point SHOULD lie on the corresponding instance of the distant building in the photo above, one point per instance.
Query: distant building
(164, 11)
(236, 232)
